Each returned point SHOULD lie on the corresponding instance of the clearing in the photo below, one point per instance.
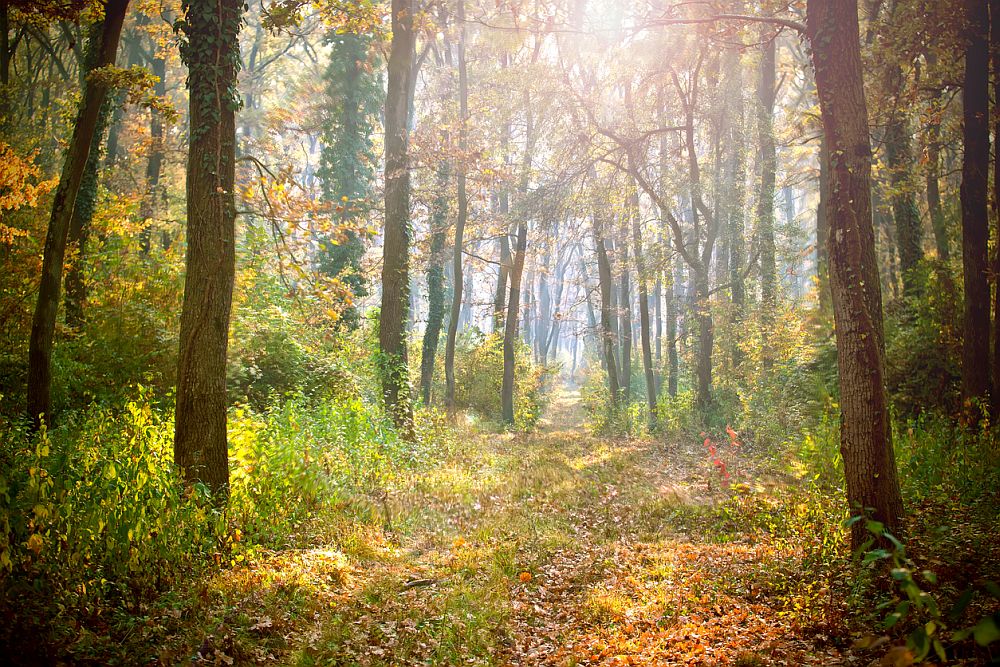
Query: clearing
(547, 548)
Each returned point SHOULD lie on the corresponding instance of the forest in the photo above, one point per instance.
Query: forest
(500, 332)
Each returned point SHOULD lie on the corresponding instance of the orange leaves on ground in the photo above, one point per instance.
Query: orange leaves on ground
(525, 577)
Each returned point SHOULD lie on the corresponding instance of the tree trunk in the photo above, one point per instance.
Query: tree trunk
(396, 244)
(499, 297)
(765, 196)
(647, 350)
(435, 283)
(463, 214)
(865, 436)
(995, 61)
(938, 224)
(625, 319)
(607, 313)
(212, 56)
(43, 323)
(673, 367)
(510, 326)
(975, 222)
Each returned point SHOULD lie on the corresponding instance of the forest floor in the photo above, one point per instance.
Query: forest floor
(547, 548)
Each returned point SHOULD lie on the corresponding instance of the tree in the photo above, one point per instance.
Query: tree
(463, 214)
(353, 97)
(211, 52)
(396, 244)
(768, 166)
(103, 46)
(865, 435)
(975, 223)
(435, 281)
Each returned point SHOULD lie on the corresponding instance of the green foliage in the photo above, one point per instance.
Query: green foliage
(94, 515)
(924, 348)
(479, 378)
(915, 608)
(347, 164)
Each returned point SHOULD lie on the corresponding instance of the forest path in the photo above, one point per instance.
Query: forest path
(547, 548)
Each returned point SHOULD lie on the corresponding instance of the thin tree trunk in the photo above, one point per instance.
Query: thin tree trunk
(510, 330)
(396, 244)
(865, 436)
(463, 214)
(647, 351)
(435, 283)
(975, 221)
(200, 443)
(625, 312)
(765, 196)
(607, 313)
(46, 310)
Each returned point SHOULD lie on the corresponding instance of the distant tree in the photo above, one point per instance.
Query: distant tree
(347, 163)
(211, 52)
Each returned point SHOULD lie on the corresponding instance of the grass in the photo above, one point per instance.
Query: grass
(552, 547)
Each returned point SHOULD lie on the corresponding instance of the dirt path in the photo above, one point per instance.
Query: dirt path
(548, 548)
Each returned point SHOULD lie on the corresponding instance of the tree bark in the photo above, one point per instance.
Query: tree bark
(46, 309)
(510, 326)
(765, 196)
(463, 214)
(647, 351)
(212, 56)
(607, 312)
(865, 436)
(975, 222)
(396, 244)
(435, 283)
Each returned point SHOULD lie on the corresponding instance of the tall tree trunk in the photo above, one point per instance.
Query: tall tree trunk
(625, 313)
(396, 244)
(463, 214)
(510, 326)
(765, 196)
(995, 62)
(499, 298)
(736, 179)
(865, 436)
(673, 366)
(975, 222)
(435, 282)
(607, 312)
(647, 350)
(212, 55)
(103, 47)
